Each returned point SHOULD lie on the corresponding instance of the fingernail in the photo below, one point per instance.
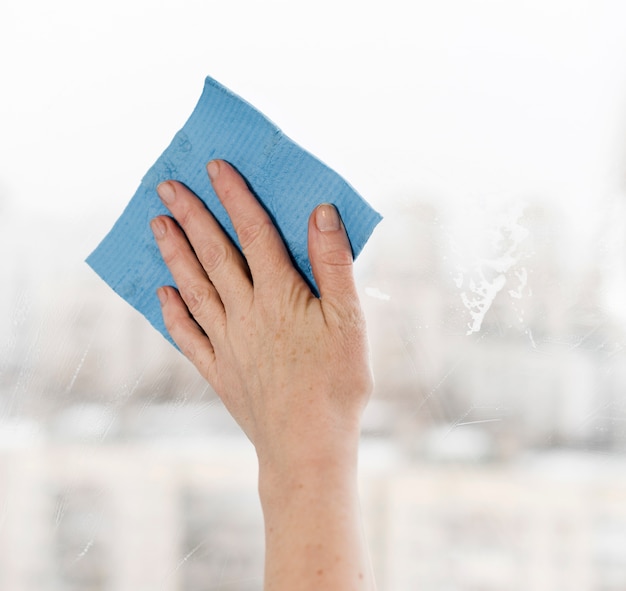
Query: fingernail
(213, 168)
(162, 295)
(158, 227)
(166, 192)
(327, 218)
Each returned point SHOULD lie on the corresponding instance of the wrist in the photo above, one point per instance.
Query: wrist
(303, 472)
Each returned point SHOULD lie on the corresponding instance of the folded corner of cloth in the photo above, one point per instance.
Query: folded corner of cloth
(287, 180)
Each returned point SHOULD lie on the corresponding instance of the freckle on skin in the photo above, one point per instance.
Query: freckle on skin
(320, 571)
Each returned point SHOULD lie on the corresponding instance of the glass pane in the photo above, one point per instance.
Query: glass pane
(491, 137)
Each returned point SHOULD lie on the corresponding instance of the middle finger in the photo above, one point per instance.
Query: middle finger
(219, 257)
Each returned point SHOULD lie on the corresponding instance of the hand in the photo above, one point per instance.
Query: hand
(292, 369)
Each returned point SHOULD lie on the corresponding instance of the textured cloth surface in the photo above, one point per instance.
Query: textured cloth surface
(288, 181)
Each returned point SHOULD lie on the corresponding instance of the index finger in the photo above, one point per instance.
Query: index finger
(260, 242)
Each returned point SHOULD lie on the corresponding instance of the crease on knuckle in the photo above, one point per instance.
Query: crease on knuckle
(337, 257)
(212, 255)
(184, 215)
(170, 255)
(197, 297)
(251, 231)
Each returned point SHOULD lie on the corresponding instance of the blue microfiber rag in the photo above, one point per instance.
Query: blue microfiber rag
(287, 180)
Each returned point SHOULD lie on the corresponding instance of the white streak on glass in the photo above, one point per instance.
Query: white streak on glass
(477, 422)
(376, 293)
(74, 377)
(488, 275)
(85, 550)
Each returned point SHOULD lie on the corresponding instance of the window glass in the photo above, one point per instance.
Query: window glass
(490, 136)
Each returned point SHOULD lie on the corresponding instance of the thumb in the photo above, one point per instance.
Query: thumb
(331, 259)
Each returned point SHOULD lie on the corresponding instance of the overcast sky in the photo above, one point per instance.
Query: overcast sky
(462, 101)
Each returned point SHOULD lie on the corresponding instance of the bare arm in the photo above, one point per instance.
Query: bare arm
(292, 369)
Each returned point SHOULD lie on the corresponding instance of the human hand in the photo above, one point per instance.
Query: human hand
(291, 368)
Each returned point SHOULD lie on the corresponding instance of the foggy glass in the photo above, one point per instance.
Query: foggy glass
(490, 136)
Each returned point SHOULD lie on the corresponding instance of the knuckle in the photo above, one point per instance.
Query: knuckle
(251, 231)
(197, 297)
(184, 214)
(212, 255)
(346, 316)
(170, 256)
(337, 257)
(355, 321)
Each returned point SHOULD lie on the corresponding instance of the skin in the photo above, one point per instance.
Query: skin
(291, 368)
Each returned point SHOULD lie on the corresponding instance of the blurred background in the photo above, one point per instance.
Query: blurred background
(492, 137)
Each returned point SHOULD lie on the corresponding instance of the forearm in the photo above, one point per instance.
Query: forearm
(313, 529)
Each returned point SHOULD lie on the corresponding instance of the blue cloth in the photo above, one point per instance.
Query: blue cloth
(288, 181)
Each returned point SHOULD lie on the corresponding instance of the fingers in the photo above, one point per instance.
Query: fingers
(219, 257)
(260, 242)
(198, 293)
(331, 259)
(186, 333)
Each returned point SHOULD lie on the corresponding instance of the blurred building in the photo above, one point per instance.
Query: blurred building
(518, 342)
(183, 515)
(119, 471)
(527, 527)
